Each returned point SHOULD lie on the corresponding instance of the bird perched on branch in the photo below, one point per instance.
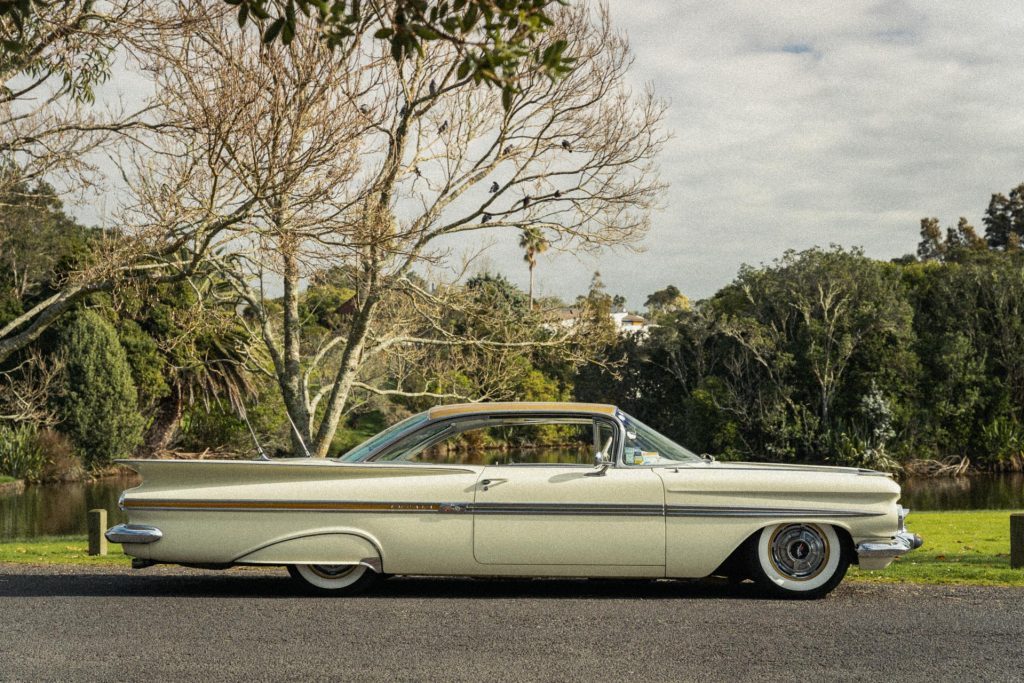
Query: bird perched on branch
(443, 128)
(526, 201)
(364, 109)
(566, 145)
(558, 193)
(494, 187)
(486, 217)
(433, 87)
(508, 150)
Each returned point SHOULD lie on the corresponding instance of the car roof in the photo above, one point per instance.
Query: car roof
(520, 407)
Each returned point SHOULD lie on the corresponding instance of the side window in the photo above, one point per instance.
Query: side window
(512, 442)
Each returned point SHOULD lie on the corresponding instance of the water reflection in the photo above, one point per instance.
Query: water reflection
(60, 509)
(983, 492)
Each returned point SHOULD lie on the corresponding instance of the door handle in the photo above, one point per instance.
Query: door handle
(487, 483)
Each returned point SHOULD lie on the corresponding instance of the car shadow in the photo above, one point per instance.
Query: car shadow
(264, 584)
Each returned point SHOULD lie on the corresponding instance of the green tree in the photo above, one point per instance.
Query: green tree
(494, 41)
(185, 345)
(98, 402)
(666, 300)
(959, 242)
(1004, 220)
(39, 243)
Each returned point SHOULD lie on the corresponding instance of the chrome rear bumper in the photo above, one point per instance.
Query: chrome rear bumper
(133, 533)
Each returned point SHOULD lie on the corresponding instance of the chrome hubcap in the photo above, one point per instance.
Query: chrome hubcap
(799, 551)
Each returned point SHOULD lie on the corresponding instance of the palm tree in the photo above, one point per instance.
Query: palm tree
(534, 242)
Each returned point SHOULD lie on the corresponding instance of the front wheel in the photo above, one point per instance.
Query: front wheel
(798, 560)
(337, 579)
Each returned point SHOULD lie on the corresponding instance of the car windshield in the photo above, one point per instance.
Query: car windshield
(374, 442)
(645, 446)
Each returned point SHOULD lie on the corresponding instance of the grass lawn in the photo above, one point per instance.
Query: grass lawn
(59, 550)
(968, 548)
(4, 479)
(961, 547)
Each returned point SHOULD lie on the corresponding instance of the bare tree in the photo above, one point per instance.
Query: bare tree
(25, 390)
(382, 170)
(50, 65)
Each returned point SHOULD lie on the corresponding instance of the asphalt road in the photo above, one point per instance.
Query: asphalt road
(168, 624)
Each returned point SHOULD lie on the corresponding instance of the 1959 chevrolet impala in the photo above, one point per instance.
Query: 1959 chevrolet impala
(517, 489)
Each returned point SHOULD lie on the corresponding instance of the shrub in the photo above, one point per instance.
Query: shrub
(20, 454)
(215, 427)
(1001, 441)
(62, 462)
(98, 403)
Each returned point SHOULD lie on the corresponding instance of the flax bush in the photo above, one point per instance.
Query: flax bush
(21, 456)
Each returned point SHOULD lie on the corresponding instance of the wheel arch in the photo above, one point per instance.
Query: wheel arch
(736, 561)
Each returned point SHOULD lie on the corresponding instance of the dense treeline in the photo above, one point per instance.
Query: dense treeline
(822, 355)
(830, 355)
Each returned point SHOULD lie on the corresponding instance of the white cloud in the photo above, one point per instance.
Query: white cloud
(800, 124)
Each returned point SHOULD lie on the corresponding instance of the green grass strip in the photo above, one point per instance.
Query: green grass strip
(59, 550)
(970, 547)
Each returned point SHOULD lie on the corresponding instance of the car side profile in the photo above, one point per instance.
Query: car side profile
(517, 489)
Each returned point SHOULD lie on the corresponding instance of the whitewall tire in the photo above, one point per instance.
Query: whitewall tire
(341, 579)
(798, 560)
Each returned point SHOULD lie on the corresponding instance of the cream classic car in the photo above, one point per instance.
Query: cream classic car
(517, 489)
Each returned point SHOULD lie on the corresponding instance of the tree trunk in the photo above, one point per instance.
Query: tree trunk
(165, 424)
(531, 286)
(350, 361)
(291, 381)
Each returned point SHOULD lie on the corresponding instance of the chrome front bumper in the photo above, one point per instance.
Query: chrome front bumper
(133, 533)
(879, 554)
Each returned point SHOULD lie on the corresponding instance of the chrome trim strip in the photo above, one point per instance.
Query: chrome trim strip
(282, 505)
(623, 509)
(713, 511)
(133, 533)
(508, 508)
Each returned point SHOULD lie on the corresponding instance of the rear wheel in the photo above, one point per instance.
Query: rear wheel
(337, 579)
(797, 560)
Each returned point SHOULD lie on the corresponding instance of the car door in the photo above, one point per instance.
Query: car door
(569, 515)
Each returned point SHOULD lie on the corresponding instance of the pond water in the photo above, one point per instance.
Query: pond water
(60, 509)
(980, 492)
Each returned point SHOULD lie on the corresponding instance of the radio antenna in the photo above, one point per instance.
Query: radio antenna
(259, 449)
(297, 435)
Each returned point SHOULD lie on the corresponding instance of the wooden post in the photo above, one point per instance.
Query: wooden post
(97, 525)
(1017, 541)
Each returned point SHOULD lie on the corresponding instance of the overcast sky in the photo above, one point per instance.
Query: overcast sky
(801, 123)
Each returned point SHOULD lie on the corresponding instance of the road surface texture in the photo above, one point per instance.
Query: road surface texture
(171, 624)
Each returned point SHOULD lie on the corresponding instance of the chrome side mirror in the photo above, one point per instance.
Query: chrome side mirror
(602, 463)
